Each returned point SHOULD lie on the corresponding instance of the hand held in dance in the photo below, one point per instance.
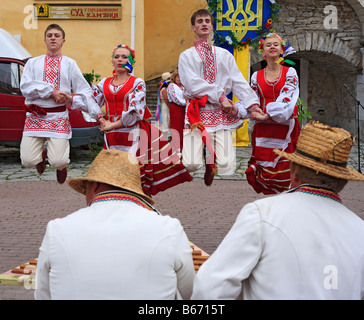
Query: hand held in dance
(62, 97)
(102, 121)
(258, 114)
(229, 107)
(106, 125)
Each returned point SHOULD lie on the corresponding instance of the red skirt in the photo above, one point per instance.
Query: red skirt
(161, 167)
(177, 123)
(271, 179)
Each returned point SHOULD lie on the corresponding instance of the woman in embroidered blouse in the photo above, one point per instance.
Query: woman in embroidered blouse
(162, 112)
(125, 126)
(276, 120)
(177, 110)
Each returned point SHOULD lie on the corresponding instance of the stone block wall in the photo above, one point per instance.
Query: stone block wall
(331, 53)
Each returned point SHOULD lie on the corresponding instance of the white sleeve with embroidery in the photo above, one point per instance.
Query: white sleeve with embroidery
(98, 95)
(254, 84)
(175, 95)
(137, 104)
(82, 89)
(240, 87)
(99, 92)
(195, 86)
(243, 113)
(31, 87)
(282, 109)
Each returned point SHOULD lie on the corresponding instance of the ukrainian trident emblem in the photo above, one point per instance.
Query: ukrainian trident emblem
(240, 16)
(241, 21)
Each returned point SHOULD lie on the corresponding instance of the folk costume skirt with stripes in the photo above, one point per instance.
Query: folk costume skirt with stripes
(160, 166)
(267, 172)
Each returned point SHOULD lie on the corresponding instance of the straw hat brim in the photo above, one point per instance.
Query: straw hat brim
(115, 168)
(79, 185)
(166, 76)
(346, 173)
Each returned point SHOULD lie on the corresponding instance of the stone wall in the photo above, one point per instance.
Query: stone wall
(332, 57)
(302, 23)
(329, 58)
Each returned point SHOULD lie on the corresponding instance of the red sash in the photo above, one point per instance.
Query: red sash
(193, 114)
(36, 110)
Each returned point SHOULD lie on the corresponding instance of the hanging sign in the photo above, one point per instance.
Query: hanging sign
(69, 11)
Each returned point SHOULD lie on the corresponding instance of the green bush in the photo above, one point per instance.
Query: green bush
(91, 77)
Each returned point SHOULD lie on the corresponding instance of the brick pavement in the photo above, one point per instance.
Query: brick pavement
(29, 201)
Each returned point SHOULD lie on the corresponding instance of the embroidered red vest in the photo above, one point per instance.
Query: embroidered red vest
(271, 130)
(116, 103)
(268, 92)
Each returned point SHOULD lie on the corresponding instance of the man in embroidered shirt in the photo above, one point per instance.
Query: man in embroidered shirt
(46, 85)
(302, 244)
(119, 247)
(211, 72)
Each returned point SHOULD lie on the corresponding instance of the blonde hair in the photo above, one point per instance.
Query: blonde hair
(174, 75)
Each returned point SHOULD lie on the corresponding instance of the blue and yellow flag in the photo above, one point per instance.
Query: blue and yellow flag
(239, 22)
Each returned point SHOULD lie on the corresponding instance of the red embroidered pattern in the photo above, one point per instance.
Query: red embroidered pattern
(52, 70)
(212, 118)
(208, 59)
(60, 125)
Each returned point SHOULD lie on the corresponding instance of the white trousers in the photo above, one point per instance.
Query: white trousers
(58, 152)
(221, 141)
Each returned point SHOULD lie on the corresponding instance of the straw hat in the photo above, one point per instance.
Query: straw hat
(114, 167)
(166, 76)
(324, 149)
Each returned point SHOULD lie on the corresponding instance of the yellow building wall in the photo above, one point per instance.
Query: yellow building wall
(162, 32)
(89, 42)
(167, 33)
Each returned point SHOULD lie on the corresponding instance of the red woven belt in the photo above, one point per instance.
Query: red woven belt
(36, 110)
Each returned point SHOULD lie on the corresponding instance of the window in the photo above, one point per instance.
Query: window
(10, 75)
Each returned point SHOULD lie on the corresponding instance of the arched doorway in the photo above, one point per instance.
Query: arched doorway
(329, 60)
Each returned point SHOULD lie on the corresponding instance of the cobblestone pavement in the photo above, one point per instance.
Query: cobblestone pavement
(81, 158)
(28, 201)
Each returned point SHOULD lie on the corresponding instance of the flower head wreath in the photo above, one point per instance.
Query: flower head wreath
(287, 49)
(129, 65)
